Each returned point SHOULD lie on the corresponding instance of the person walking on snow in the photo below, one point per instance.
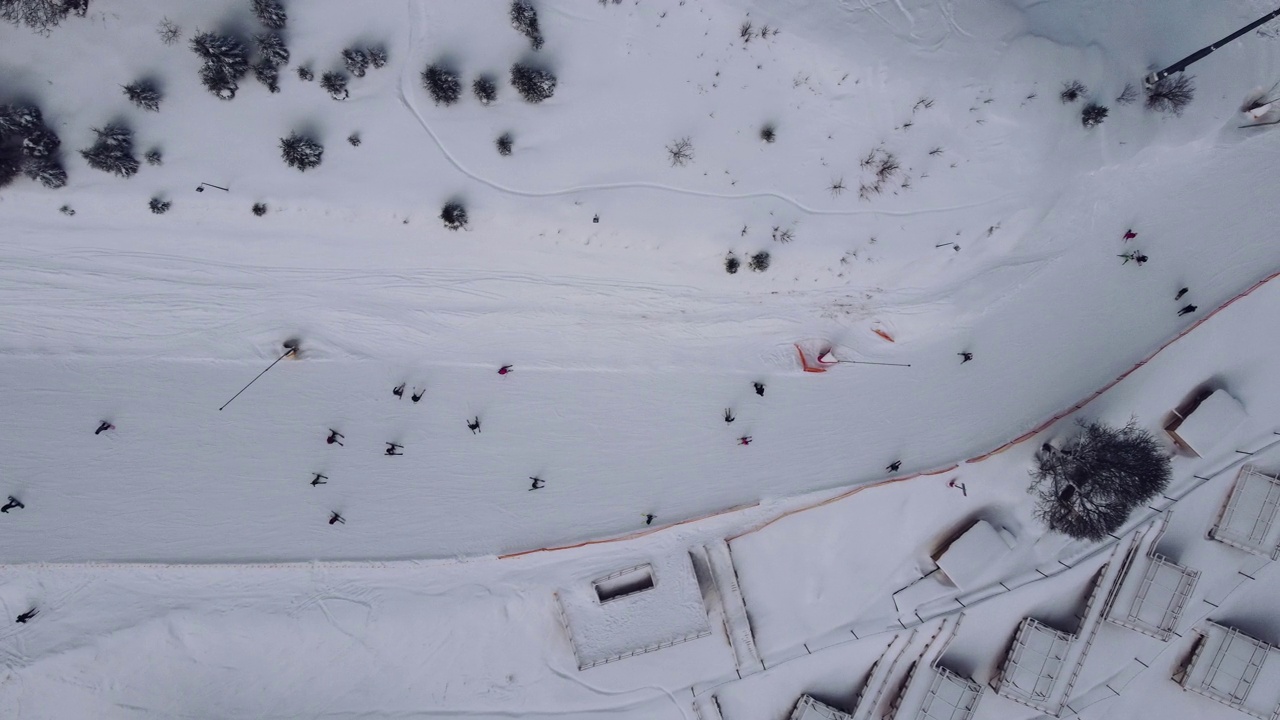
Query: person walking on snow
(744, 440)
(893, 466)
(13, 503)
(537, 483)
(103, 427)
(1181, 292)
(398, 391)
(966, 355)
(319, 480)
(392, 448)
(1187, 310)
(336, 518)
(728, 415)
(474, 425)
(1129, 235)
(417, 395)
(759, 389)
(505, 369)
(24, 617)
(334, 436)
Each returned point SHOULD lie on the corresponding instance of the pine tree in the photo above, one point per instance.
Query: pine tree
(272, 49)
(377, 56)
(225, 62)
(525, 19)
(46, 170)
(533, 84)
(335, 83)
(144, 94)
(11, 165)
(443, 84)
(300, 152)
(356, 61)
(270, 13)
(218, 81)
(267, 74)
(759, 262)
(504, 144)
(40, 142)
(305, 74)
(19, 119)
(158, 206)
(454, 215)
(1092, 115)
(113, 151)
(486, 89)
(153, 157)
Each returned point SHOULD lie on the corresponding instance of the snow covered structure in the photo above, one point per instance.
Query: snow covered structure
(1236, 670)
(809, 709)
(1248, 520)
(969, 557)
(1203, 423)
(634, 610)
(933, 691)
(1153, 590)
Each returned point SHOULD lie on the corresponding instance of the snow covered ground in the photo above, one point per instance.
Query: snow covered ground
(182, 564)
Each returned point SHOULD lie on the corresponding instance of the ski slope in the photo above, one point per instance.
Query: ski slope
(999, 235)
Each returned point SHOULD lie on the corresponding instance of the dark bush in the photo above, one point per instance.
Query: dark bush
(305, 74)
(759, 262)
(158, 206)
(504, 144)
(144, 94)
(680, 152)
(153, 157)
(1087, 488)
(454, 215)
(169, 31)
(525, 19)
(354, 139)
(486, 89)
(1171, 94)
(300, 152)
(1071, 91)
(768, 133)
(1127, 95)
(377, 56)
(533, 84)
(113, 151)
(356, 60)
(270, 13)
(1093, 114)
(732, 263)
(335, 83)
(268, 75)
(442, 84)
(259, 209)
(40, 15)
(272, 49)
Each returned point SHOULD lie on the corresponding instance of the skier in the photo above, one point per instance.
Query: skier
(474, 425)
(398, 391)
(392, 447)
(759, 389)
(744, 440)
(966, 355)
(505, 369)
(1186, 310)
(648, 518)
(1181, 292)
(103, 427)
(336, 518)
(1129, 235)
(953, 484)
(1140, 259)
(319, 480)
(24, 617)
(418, 395)
(728, 415)
(13, 503)
(893, 466)
(333, 438)
(537, 483)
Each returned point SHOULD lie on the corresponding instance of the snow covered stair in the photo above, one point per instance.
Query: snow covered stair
(718, 564)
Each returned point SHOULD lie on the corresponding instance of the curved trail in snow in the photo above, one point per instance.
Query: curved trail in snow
(404, 92)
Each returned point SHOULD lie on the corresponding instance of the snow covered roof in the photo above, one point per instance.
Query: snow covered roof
(809, 709)
(1034, 662)
(972, 554)
(1153, 604)
(1216, 417)
(1248, 520)
(950, 697)
(1235, 670)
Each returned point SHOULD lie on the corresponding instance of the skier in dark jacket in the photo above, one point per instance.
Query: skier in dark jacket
(1187, 310)
(24, 617)
(537, 483)
(893, 466)
(398, 391)
(505, 369)
(418, 395)
(728, 415)
(319, 480)
(103, 427)
(336, 518)
(474, 425)
(1181, 292)
(392, 448)
(13, 503)
(759, 388)
(648, 518)
(333, 438)
(967, 356)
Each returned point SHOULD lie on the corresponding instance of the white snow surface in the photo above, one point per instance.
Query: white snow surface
(182, 565)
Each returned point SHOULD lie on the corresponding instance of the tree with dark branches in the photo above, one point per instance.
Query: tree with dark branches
(377, 56)
(486, 89)
(1087, 488)
(335, 83)
(356, 60)
(1093, 114)
(113, 151)
(272, 48)
(225, 62)
(11, 162)
(504, 143)
(300, 151)
(442, 83)
(533, 83)
(270, 13)
(454, 215)
(144, 94)
(267, 74)
(1171, 94)
(525, 19)
(46, 170)
(680, 152)
(41, 15)
(1071, 91)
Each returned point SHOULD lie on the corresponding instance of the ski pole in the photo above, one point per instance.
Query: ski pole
(286, 354)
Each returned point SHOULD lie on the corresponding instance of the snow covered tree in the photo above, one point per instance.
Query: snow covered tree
(218, 81)
(40, 15)
(377, 56)
(10, 164)
(144, 94)
(272, 49)
(225, 62)
(158, 206)
(46, 170)
(305, 74)
(504, 143)
(731, 263)
(1171, 94)
(1093, 114)
(454, 215)
(19, 119)
(356, 60)
(442, 83)
(335, 83)
(259, 209)
(525, 19)
(267, 74)
(300, 152)
(1087, 488)
(113, 151)
(354, 139)
(768, 133)
(486, 89)
(759, 262)
(270, 13)
(40, 142)
(533, 84)
(154, 157)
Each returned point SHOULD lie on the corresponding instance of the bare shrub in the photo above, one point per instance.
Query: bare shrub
(1071, 91)
(680, 152)
(1171, 94)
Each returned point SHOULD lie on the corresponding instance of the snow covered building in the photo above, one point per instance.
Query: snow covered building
(633, 610)
(809, 709)
(1248, 520)
(1201, 424)
(1234, 669)
(933, 691)
(970, 557)
(1153, 590)
(1034, 663)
